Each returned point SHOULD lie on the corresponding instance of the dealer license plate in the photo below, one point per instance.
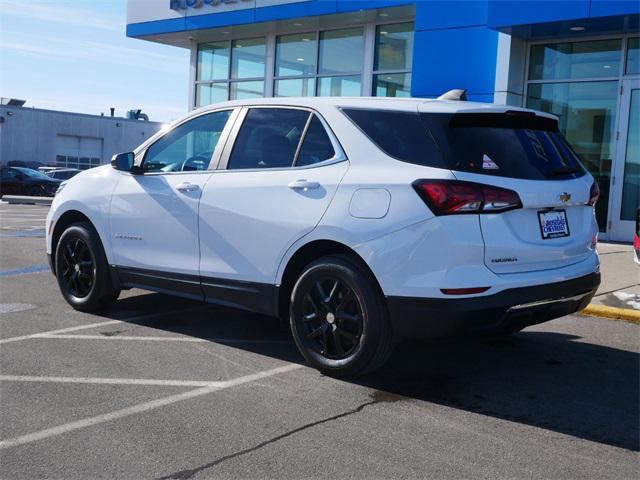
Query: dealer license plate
(553, 224)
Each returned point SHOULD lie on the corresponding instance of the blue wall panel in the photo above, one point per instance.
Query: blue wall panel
(296, 10)
(504, 13)
(605, 8)
(455, 58)
(434, 14)
(213, 20)
(355, 5)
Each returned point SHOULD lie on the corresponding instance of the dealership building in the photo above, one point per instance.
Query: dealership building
(578, 59)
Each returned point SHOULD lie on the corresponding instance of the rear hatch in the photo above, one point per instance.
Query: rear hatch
(523, 152)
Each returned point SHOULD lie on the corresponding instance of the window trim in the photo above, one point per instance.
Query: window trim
(141, 156)
(339, 155)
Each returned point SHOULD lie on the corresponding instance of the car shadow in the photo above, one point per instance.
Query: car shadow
(548, 380)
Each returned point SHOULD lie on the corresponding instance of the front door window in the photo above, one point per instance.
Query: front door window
(188, 147)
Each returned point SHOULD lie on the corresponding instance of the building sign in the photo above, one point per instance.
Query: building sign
(187, 4)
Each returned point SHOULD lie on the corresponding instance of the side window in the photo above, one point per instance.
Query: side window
(188, 147)
(316, 146)
(268, 138)
(8, 174)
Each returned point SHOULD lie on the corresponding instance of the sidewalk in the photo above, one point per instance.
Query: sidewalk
(619, 293)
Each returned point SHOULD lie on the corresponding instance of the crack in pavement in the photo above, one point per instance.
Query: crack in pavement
(189, 473)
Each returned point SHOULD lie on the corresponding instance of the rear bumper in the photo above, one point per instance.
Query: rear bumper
(512, 308)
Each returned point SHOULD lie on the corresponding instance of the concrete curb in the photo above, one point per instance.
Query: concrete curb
(613, 313)
(25, 200)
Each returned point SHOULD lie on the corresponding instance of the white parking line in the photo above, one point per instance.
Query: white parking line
(141, 407)
(231, 341)
(94, 325)
(109, 381)
(61, 330)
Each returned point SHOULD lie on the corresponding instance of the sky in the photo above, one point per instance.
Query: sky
(73, 55)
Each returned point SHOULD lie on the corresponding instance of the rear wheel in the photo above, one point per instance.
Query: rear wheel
(82, 269)
(339, 318)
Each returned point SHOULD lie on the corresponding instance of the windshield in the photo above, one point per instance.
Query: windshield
(32, 173)
(511, 144)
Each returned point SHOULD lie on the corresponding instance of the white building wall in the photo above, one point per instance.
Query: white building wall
(32, 135)
(510, 70)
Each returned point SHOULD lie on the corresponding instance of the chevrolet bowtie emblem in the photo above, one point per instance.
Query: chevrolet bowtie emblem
(565, 197)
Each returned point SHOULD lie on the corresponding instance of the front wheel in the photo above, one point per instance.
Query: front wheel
(82, 269)
(339, 318)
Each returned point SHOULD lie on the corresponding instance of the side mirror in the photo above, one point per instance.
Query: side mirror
(123, 162)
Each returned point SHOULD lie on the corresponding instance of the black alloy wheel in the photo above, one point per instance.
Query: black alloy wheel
(339, 318)
(333, 319)
(84, 275)
(78, 267)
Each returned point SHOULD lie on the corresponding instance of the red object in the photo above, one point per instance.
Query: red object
(464, 291)
(451, 197)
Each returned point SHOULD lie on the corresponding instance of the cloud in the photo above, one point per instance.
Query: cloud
(87, 50)
(61, 13)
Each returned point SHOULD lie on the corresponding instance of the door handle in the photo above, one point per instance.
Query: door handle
(304, 185)
(187, 187)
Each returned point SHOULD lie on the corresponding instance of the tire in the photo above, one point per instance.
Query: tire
(34, 192)
(82, 269)
(339, 318)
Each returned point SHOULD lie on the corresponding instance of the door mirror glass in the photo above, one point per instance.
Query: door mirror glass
(123, 161)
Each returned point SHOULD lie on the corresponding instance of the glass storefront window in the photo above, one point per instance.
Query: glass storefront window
(248, 58)
(208, 93)
(213, 61)
(633, 56)
(587, 113)
(296, 55)
(392, 85)
(348, 86)
(295, 87)
(631, 187)
(341, 51)
(595, 59)
(244, 90)
(394, 47)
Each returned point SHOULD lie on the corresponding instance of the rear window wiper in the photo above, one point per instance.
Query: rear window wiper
(563, 171)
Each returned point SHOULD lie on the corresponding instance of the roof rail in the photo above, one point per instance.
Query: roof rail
(455, 94)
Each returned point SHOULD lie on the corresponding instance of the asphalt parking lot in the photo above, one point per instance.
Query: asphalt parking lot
(159, 387)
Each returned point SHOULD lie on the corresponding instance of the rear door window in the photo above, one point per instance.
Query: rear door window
(268, 138)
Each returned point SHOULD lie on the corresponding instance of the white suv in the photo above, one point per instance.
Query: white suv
(363, 220)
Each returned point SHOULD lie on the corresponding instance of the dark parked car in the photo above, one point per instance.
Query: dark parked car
(25, 181)
(63, 173)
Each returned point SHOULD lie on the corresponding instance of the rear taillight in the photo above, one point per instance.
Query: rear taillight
(454, 197)
(594, 194)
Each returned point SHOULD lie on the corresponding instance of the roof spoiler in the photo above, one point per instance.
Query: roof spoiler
(459, 94)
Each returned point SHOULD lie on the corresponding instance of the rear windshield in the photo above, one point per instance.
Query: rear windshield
(513, 145)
